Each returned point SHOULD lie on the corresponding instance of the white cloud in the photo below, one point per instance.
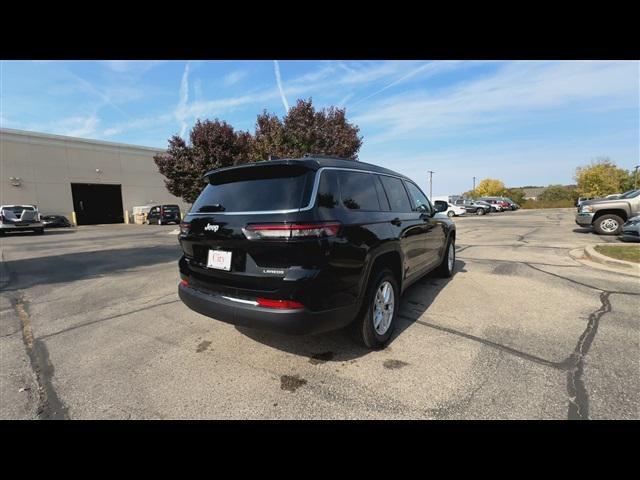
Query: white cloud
(234, 77)
(518, 89)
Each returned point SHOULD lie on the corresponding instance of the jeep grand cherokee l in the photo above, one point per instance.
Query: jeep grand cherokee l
(310, 245)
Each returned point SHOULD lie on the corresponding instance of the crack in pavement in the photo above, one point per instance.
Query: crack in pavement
(578, 397)
(50, 407)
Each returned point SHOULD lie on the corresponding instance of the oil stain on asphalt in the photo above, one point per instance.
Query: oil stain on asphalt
(394, 364)
(203, 346)
(291, 382)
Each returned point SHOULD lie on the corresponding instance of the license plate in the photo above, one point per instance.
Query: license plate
(219, 259)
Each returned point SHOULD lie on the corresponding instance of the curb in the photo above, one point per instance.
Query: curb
(591, 253)
(591, 258)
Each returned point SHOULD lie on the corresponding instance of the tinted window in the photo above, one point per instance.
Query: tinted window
(396, 194)
(328, 190)
(357, 191)
(171, 208)
(382, 197)
(419, 200)
(259, 188)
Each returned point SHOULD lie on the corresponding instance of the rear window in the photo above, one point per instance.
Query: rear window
(254, 189)
(18, 209)
(171, 208)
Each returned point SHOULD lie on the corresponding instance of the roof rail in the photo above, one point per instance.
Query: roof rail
(316, 155)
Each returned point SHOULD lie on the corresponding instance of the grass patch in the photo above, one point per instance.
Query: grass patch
(630, 253)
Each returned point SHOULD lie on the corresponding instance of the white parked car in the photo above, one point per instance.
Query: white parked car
(451, 210)
(19, 218)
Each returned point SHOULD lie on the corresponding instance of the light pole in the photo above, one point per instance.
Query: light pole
(635, 178)
(431, 185)
(474, 184)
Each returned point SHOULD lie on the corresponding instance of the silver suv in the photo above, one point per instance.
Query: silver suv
(20, 217)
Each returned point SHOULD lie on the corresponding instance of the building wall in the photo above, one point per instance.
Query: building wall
(48, 164)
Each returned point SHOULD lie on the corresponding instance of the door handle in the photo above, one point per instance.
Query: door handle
(396, 221)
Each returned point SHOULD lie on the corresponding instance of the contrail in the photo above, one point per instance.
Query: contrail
(276, 67)
(184, 98)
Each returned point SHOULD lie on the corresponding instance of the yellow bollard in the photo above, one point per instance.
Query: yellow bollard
(73, 219)
(126, 217)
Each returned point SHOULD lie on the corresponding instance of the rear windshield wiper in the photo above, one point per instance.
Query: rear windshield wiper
(216, 207)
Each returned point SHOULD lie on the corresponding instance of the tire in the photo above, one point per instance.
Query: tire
(608, 224)
(448, 264)
(366, 330)
(450, 214)
(39, 231)
(480, 211)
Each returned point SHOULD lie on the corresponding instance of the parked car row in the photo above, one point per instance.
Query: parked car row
(611, 217)
(20, 218)
(480, 206)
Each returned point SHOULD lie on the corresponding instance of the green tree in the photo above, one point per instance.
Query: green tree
(602, 177)
(515, 194)
(555, 193)
(213, 144)
(305, 130)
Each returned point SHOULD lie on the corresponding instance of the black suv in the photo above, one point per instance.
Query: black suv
(161, 214)
(310, 245)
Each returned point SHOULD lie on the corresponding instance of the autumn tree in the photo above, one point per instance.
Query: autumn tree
(602, 177)
(490, 187)
(305, 130)
(213, 144)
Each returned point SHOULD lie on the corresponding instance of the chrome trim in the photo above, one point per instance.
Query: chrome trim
(239, 300)
(312, 199)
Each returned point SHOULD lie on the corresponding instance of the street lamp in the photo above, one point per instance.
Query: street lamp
(431, 185)
(474, 184)
(635, 178)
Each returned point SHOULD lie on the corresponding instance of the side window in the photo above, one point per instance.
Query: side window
(358, 191)
(419, 200)
(328, 190)
(396, 194)
(382, 197)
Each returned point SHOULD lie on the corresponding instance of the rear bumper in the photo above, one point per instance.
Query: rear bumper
(16, 228)
(294, 322)
(584, 219)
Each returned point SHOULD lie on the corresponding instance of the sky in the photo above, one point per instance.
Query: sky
(523, 122)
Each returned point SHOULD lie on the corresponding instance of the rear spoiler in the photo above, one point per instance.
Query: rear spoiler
(304, 163)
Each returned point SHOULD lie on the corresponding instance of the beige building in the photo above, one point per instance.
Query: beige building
(98, 181)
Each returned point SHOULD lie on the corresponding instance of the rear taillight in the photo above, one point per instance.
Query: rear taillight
(184, 282)
(281, 231)
(185, 228)
(282, 304)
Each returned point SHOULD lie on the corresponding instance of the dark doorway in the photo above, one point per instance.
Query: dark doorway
(97, 203)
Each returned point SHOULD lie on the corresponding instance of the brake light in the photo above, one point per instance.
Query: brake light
(281, 304)
(185, 228)
(281, 231)
(184, 282)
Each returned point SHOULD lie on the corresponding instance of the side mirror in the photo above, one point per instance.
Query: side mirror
(440, 207)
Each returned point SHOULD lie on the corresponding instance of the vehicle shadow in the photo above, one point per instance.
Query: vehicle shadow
(338, 346)
(70, 267)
